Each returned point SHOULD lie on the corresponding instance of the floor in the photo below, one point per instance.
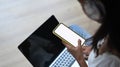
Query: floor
(19, 18)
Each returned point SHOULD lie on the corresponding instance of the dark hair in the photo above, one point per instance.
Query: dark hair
(110, 26)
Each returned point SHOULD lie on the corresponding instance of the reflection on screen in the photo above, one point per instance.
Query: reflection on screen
(41, 51)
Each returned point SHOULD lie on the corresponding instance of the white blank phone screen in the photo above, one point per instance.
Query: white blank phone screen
(67, 34)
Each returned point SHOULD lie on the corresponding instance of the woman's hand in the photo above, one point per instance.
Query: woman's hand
(77, 52)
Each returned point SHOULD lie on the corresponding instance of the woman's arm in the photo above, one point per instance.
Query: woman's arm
(82, 63)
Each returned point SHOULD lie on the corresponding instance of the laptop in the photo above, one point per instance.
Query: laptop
(43, 49)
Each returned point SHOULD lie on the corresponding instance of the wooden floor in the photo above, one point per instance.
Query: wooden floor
(19, 18)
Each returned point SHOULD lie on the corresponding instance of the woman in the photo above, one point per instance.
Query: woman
(105, 47)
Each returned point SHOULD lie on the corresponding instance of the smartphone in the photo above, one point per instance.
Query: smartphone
(67, 35)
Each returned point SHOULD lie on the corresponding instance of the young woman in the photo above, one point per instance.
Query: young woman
(105, 47)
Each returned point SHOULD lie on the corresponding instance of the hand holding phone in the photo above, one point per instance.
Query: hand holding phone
(67, 35)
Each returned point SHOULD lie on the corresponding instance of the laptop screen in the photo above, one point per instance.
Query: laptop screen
(42, 47)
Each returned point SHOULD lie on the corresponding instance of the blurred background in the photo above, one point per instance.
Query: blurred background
(19, 18)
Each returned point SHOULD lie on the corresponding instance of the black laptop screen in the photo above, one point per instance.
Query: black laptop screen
(42, 47)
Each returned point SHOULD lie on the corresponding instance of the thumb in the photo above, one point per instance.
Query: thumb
(79, 42)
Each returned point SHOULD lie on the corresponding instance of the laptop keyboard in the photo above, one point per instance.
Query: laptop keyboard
(64, 60)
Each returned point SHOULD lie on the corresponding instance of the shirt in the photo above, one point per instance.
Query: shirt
(104, 60)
